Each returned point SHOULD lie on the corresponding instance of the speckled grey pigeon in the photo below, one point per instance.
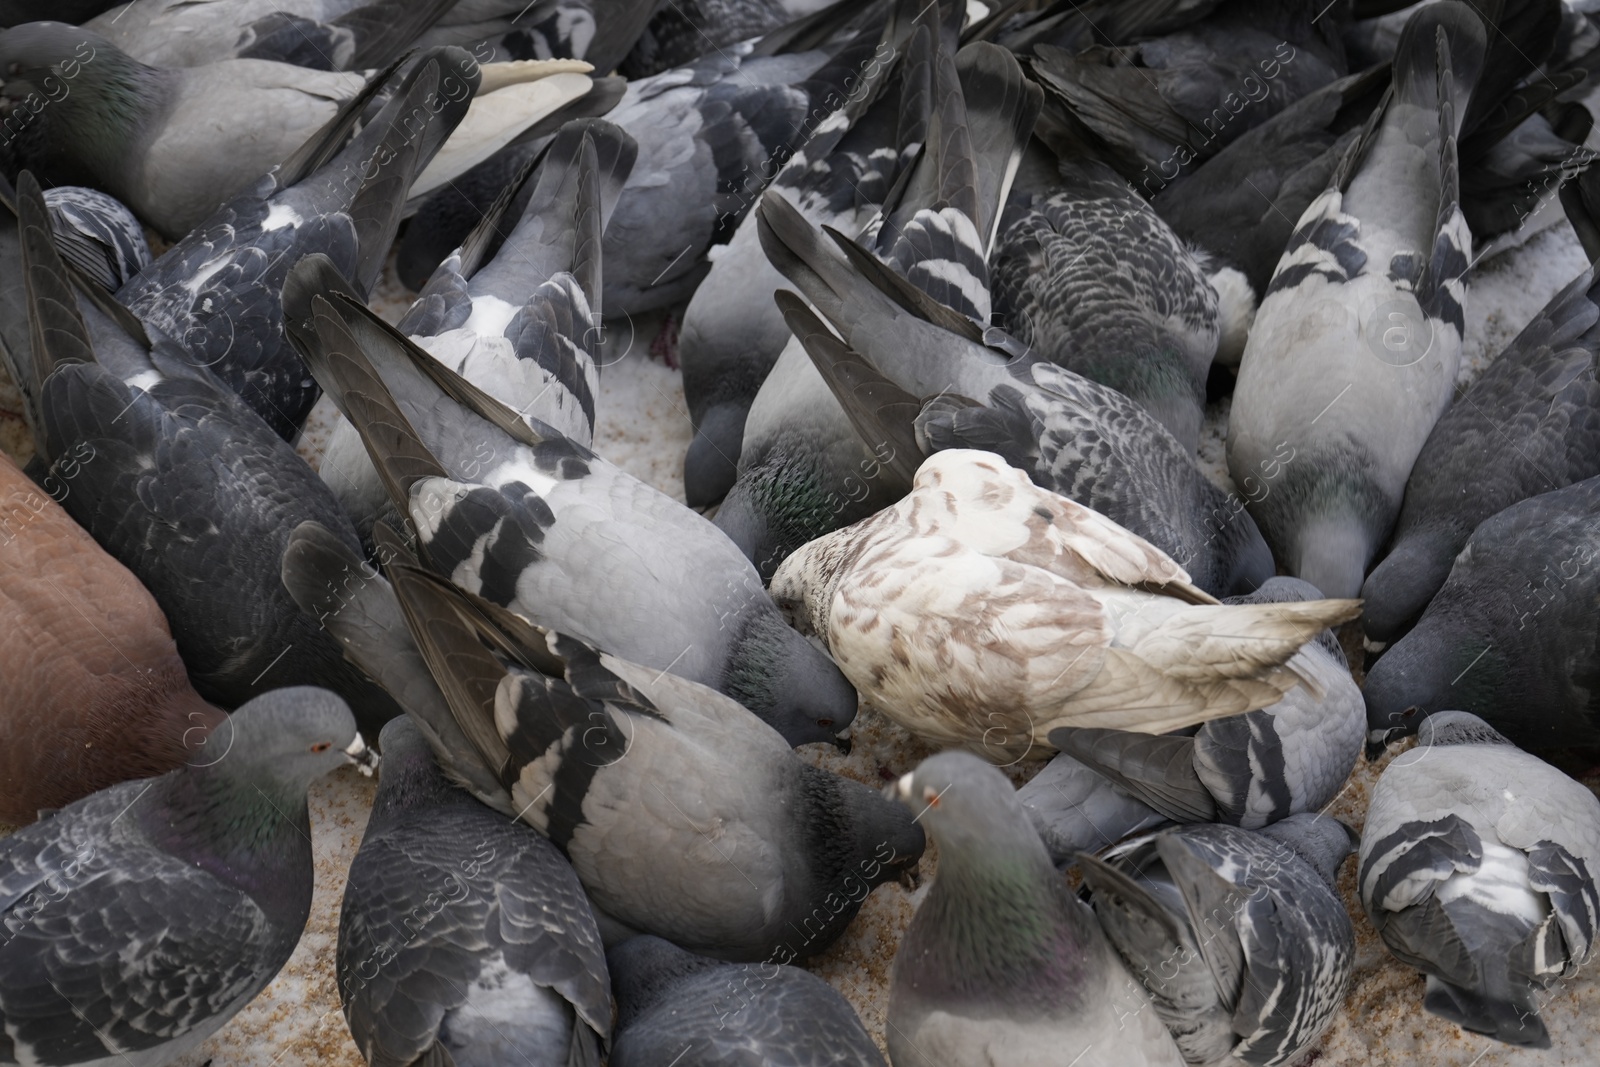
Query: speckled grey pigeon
(1512, 637)
(1248, 770)
(524, 324)
(684, 815)
(1089, 277)
(672, 1003)
(802, 473)
(917, 377)
(732, 333)
(464, 936)
(1240, 937)
(1001, 964)
(1477, 867)
(1353, 354)
(218, 290)
(1529, 424)
(511, 509)
(141, 918)
(98, 235)
(186, 487)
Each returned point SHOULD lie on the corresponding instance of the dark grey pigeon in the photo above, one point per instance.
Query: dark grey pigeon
(1089, 277)
(1247, 770)
(524, 324)
(219, 290)
(141, 918)
(917, 377)
(464, 936)
(184, 484)
(672, 1003)
(1001, 963)
(511, 509)
(684, 815)
(732, 333)
(1477, 868)
(709, 134)
(802, 473)
(1529, 424)
(1354, 350)
(1240, 937)
(1512, 637)
(681, 32)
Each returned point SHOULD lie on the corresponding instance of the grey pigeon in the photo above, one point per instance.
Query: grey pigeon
(1090, 278)
(464, 936)
(1512, 637)
(219, 290)
(1001, 964)
(512, 510)
(684, 815)
(104, 240)
(1529, 424)
(918, 378)
(1240, 937)
(1477, 868)
(732, 334)
(801, 473)
(1248, 770)
(709, 134)
(671, 1003)
(1354, 350)
(317, 34)
(524, 324)
(186, 486)
(143, 917)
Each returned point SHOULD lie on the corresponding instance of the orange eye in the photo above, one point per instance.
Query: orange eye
(931, 796)
(322, 746)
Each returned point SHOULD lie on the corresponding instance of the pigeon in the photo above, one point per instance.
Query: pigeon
(101, 236)
(218, 291)
(1512, 637)
(1528, 425)
(1000, 964)
(599, 32)
(180, 482)
(901, 358)
(513, 510)
(681, 32)
(684, 815)
(1239, 936)
(732, 334)
(673, 1003)
(1161, 105)
(1089, 278)
(1476, 868)
(164, 152)
(96, 692)
(523, 325)
(1248, 770)
(710, 134)
(1354, 350)
(141, 918)
(801, 472)
(464, 937)
(984, 611)
(334, 35)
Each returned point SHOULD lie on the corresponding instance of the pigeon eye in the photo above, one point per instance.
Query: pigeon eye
(824, 723)
(931, 795)
(322, 746)
(1410, 713)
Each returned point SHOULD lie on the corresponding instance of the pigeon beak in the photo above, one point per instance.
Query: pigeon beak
(843, 743)
(1378, 741)
(900, 790)
(365, 759)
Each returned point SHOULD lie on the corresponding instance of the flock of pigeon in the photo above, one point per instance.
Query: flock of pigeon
(951, 287)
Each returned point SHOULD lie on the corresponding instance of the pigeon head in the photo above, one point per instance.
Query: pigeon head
(290, 737)
(410, 778)
(1320, 840)
(1399, 588)
(971, 811)
(712, 465)
(1457, 728)
(1244, 555)
(646, 967)
(69, 102)
(794, 688)
(1425, 672)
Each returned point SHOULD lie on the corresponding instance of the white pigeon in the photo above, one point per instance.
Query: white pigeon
(984, 611)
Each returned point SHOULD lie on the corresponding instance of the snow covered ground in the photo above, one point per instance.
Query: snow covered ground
(644, 427)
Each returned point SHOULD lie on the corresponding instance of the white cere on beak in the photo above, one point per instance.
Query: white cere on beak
(365, 759)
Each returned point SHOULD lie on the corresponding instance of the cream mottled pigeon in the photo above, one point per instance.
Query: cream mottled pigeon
(982, 610)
